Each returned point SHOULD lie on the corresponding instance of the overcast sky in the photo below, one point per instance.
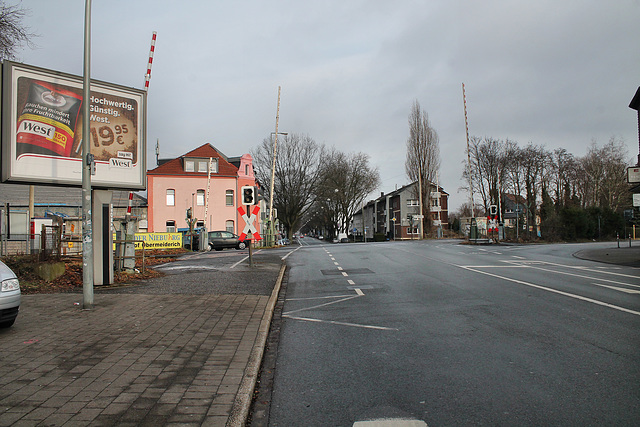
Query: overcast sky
(556, 73)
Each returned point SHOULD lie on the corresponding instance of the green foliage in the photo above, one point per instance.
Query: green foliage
(574, 223)
(455, 226)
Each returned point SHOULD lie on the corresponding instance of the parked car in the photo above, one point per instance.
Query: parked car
(9, 296)
(220, 240)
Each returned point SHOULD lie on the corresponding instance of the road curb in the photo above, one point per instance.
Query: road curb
(242, 401)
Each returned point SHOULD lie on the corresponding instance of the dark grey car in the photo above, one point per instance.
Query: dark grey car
(220, 240)
(9, 296)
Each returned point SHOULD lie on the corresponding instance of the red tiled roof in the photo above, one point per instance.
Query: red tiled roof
(175, 166)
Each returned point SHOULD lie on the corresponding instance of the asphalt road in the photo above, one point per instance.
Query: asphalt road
(448, 334)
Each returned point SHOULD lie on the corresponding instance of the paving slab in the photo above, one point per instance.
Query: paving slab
(145, 358)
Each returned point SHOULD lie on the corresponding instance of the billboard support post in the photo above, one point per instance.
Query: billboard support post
(87, 240)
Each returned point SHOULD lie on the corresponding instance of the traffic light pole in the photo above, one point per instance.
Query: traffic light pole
(250, 239)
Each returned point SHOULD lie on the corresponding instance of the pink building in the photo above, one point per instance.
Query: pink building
(179, 184)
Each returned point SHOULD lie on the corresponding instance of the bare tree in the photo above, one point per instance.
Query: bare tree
(563, 175)
(345, 181)
(490, 159)
(13, 34)
(423, 156)
(295, 177)
(534, 163)
(604, 170)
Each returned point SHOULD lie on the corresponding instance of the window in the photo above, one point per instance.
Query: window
(229, 198)
(412, 230)
(214, 165)
(434, 202)
(200, 198)
(189, 166)
(413, 202)
(229, 226)
(202, 165)
(171, 197)
(246, 170)
(171, 226)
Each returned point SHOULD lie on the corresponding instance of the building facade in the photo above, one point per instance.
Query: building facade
(393, 214)
(203, 180)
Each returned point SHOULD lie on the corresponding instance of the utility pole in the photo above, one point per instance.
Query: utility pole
(87, 240)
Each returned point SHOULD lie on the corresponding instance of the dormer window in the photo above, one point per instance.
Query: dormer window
(200, 165)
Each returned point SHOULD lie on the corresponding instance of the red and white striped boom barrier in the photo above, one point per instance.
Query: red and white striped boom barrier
(147, 76)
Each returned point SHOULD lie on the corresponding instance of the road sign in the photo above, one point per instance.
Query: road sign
(249, 227)
(633, 174)
(418, 216)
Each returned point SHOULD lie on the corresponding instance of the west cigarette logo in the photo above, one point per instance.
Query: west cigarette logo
(37, 128)
(120, 163)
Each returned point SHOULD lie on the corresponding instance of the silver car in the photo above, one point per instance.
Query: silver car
(9, 296)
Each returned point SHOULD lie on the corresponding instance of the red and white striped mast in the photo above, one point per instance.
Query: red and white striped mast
(147, 78)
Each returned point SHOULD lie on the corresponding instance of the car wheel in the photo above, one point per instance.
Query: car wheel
(210, 247)
(218, 249)
(242, 245)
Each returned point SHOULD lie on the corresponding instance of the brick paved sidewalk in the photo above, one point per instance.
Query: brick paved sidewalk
(132, 360)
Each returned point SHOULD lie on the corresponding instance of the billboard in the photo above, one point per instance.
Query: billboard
(42, 115)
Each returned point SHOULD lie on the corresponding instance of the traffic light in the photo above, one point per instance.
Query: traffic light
(189, 213)
(248, 195)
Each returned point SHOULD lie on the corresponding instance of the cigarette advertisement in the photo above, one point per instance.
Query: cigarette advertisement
(42, 116)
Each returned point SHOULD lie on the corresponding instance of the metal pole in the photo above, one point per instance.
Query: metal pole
(250, 240)
(273, 172)
(420, 197)
(87, 240)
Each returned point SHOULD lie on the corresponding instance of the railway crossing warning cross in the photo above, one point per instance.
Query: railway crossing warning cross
(249, 227)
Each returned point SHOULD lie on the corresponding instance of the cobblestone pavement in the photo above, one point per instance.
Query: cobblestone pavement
(141, 356)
